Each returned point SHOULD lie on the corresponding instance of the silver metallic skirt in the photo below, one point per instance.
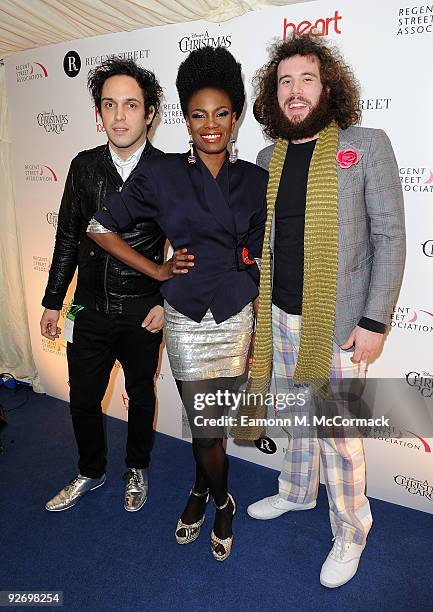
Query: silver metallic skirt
(199, 351)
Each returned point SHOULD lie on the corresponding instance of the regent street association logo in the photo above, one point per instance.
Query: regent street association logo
(53, 123)
(172, 114)
(41, 264)
(412, 319)
(415, 487)
(204, 39)
(321, 27)
(398, 439)
(55, 347)
(31, 71)
(39, 173)
(418, 179)
(415, 20)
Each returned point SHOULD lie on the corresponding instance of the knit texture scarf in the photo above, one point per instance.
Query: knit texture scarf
(319, 290)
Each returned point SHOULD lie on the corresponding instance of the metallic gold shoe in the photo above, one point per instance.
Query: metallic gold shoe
(192, 531)
(227, 542)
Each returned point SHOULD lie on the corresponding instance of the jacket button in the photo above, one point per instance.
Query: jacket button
(104, 208)
(92, 253)
(156, 257)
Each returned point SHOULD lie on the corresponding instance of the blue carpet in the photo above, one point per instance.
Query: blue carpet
(104, 558)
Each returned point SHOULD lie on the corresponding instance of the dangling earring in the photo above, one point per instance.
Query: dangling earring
(191, 156)
(233, 157)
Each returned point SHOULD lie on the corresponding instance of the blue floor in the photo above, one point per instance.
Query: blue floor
(104, 558)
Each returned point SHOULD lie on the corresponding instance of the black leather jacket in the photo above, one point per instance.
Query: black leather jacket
(104, 283)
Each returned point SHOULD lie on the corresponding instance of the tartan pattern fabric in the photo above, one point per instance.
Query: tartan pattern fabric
(342, 458)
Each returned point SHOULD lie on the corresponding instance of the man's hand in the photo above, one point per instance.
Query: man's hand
(179, 263)
(154, 321)
(49, 328)
(368, 344)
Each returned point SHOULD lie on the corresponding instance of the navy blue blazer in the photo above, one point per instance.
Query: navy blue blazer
(213, 218)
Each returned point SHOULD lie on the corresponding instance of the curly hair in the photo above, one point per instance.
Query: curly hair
(114, 66)
(213, 67)
(335, 74)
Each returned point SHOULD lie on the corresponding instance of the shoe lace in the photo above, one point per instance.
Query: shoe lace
(132, 477)
(340, 547)
(72, 483)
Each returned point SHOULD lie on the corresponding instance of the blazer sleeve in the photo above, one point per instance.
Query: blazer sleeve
(385, 209)
(257, 233)
(136, 202)
(257, 230)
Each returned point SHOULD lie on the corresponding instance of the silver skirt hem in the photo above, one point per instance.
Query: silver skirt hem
(199, 351)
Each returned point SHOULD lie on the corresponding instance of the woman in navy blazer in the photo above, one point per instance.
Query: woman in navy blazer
(212, 208)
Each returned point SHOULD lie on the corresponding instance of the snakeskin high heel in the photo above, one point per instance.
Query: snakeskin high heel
(227, 542)
(192, 531)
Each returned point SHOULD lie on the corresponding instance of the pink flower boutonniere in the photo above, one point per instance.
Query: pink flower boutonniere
(347, 158)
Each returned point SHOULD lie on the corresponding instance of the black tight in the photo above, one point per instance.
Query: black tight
(207, 446)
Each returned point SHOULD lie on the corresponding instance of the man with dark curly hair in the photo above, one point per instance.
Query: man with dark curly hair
(331, 270)
(116, 312)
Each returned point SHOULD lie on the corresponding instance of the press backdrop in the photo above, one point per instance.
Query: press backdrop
(389, 46)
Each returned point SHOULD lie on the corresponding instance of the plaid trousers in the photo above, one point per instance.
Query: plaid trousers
(342, 457)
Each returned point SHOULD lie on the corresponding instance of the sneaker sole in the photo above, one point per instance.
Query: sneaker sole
(77, 500)
(335, 586)
(269, 518)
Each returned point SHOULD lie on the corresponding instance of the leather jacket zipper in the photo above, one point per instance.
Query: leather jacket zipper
(105, 285)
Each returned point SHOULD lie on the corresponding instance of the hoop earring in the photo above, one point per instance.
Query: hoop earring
(233, 157)
(191, 157)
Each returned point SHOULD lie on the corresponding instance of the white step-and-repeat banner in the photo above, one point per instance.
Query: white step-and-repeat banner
(389, 45)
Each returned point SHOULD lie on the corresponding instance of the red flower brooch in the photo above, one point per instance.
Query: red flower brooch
(246, 257)
(347, 158)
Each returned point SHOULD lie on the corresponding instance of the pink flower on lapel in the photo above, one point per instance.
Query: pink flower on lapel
(347, 158)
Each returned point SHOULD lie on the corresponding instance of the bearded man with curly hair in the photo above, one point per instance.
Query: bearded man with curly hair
(331, 270)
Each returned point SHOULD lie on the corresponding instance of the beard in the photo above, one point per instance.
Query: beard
(317, 119)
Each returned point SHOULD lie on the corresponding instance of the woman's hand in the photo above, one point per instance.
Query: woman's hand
(179, 263)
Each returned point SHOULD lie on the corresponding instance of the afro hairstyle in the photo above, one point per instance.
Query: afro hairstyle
(213, 67)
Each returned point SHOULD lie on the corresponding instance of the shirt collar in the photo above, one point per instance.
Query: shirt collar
(132, 159)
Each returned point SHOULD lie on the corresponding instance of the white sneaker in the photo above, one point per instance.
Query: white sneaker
(271, 507)
(341, 564)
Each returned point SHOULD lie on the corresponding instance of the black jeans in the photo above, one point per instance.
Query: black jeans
(98, 341)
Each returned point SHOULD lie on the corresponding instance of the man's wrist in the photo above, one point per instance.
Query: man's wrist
(52, 302)
(372, 325)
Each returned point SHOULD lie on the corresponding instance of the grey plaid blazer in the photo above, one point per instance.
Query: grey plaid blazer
(372, 245)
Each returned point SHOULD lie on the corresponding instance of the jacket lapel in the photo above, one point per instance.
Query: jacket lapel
(344, 174)
(213, 196)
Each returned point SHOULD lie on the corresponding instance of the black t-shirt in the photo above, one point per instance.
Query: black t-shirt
(289, 228)
(290, 205)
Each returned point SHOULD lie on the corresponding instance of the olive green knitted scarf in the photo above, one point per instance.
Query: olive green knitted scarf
(320, 281)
